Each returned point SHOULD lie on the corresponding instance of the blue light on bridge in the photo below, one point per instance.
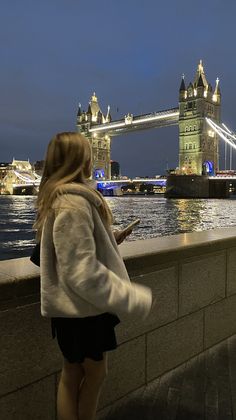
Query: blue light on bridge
(99, 173)
(106, 185)
(112, 184)
(208, 167)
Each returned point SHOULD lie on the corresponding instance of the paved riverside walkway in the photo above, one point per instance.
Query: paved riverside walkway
(204, 388)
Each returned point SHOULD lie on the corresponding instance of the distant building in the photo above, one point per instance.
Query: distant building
(172, 171)
(19, 165)
(115, 169)
(18, 177)
(38, 166)
(4, 168)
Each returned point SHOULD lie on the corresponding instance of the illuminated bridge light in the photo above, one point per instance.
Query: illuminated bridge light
(158, 116)
(224, 133)
(108, 185)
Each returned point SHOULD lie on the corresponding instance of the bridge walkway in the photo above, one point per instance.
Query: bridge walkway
(204, 388)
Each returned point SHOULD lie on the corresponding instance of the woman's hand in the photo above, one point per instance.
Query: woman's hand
(120, 235)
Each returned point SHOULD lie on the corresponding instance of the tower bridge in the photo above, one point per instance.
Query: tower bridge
(197, 116)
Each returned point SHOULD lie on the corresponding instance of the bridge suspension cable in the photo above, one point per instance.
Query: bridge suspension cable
(225, 134)
(230, 151)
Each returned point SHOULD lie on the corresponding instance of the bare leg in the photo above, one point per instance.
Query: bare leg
(67, 396)
(95, 373)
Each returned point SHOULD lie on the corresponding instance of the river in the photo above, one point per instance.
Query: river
(159, 217)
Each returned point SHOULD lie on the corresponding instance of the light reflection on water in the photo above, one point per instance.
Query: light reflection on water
(17, 214)
(159, 217)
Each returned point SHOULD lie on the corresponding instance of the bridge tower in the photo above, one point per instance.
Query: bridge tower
(100, 143)
(198, 145)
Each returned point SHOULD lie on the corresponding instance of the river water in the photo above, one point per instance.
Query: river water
(159, 217)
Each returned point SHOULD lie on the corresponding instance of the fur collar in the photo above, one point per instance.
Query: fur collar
(85, 190)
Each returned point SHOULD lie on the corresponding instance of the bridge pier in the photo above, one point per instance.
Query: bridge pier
(196, 186)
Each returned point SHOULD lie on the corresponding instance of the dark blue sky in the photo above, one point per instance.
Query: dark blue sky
(132, 53)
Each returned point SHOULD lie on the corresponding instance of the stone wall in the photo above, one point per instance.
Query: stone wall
(193, 277)
(196, 186)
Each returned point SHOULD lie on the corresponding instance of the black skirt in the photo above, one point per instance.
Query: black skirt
(89, 337)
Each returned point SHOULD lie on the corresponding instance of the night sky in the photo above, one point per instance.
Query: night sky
(132, 53)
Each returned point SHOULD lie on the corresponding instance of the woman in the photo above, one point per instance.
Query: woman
(85, 288)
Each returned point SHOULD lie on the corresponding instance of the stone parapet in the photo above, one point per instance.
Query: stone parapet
(192, 276)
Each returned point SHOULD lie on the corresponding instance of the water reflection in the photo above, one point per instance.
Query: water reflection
(17, 214)
(159, 217)
(189, 215)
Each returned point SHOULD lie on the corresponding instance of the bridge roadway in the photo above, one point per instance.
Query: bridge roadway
(139, 122)
(117, 183)
(111, 184)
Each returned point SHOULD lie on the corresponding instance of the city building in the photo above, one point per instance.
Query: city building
(115, 169)
(18, 177)
(21, 165)
(38, 166)
(4, 168)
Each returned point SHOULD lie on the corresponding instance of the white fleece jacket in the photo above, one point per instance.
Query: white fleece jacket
(82, 271)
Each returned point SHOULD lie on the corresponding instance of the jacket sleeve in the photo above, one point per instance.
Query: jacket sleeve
(81, 271)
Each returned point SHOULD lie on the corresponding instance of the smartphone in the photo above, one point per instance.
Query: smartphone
(132, 224)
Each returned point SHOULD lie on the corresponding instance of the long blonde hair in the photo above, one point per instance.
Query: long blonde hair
(68, 159)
